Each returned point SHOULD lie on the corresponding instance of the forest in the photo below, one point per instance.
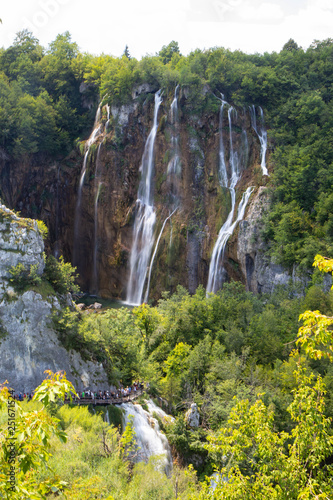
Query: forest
(259, 367)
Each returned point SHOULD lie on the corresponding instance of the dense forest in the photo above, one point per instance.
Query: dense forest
(263, 386)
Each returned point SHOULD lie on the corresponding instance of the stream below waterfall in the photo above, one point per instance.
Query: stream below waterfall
(150, 439)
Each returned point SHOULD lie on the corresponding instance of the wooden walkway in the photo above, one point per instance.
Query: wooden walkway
(106, 402)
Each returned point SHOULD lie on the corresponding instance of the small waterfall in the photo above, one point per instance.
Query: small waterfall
(97, 130)
(143, 232)
(262, 135)
(107, 416)
(95, 274)
(174, 166)
(154, 253)
(57, 245)
(223, 174)
(214, 280)
(150, 440)
(227, 180)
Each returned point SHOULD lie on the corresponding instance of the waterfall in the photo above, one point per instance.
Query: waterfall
(97, 130)
(262, 135)
(149, 438)
(143, 232)
(174, 166)
(154, 253)
(97, 190)
(227, 180)
(95, 274)
(57, 246)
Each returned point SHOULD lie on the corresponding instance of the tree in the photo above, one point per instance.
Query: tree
(25, 444)
(255, 461)
(127, 53)
(167, 51)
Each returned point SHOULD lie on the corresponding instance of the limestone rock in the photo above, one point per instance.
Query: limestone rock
(192, 416)
(262, 275)
(30, 346)
(28, 343)
(20, 242)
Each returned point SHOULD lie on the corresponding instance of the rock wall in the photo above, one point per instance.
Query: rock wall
(28, 344)
(49, 190)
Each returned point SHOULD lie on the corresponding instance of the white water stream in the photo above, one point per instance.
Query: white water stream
(262, 135)
(143, 232)
(228, 179)
(149, 438)
(97, 131)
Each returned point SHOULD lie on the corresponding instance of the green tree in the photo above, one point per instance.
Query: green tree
(26, 442)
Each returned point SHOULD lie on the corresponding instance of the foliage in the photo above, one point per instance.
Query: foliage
(61, 275)
(26, 442)
(43, 229)
(23, 277)
(315, 335)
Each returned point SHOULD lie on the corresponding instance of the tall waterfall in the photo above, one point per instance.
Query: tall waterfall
(97, 131)
(149, 439)
(143, 233)
(262, 135)
(173, 174)
(228, 179)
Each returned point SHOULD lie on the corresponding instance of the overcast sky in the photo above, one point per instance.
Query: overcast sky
(146, 25)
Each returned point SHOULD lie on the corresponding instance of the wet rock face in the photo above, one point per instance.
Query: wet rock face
(49, 190)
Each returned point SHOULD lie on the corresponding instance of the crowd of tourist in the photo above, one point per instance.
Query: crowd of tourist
(122, 392)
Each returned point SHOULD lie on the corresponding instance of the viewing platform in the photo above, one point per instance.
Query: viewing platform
(105, 402)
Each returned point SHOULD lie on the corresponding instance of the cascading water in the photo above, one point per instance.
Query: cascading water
(227, 180)
(57, 246)
(97, 131)
(262, 135)
(149, 439)
(174, 166)
(95, 274)
(154, 253)
(173, 172)
(143, 233)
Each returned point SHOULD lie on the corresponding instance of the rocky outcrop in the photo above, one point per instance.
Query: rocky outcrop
(30, 346)
(192, 416)
(261, 274)
(20, 242)
(28, 343)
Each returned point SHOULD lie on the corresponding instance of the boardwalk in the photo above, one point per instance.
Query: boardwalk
(106, 402)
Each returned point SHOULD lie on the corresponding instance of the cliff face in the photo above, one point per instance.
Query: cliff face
(29, 345)
(91, 216)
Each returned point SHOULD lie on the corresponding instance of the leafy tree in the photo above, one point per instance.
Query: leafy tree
(61, 275)
(26, 442)
(167, 51)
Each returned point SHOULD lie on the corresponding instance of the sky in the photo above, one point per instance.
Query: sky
(253, 26)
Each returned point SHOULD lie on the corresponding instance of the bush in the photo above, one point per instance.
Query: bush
(23, 277)
(43, 229)
(61, 275)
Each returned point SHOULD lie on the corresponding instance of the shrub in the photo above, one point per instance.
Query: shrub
(43, 229)
(23, 277)
(61, 275)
